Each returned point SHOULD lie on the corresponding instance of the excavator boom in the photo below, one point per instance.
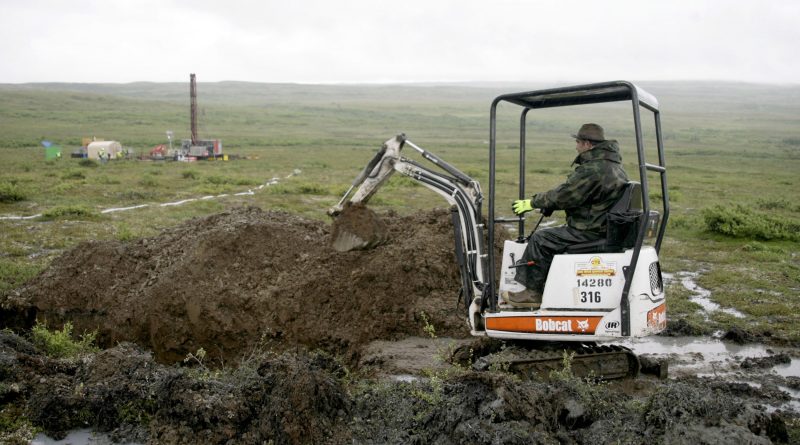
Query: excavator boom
(356, 227)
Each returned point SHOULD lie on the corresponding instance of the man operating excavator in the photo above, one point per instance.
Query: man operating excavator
(587, 195)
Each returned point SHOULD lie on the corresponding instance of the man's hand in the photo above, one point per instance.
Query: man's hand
(522, 206)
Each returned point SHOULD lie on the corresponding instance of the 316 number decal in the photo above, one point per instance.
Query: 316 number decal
(590, 296)
(593, 296)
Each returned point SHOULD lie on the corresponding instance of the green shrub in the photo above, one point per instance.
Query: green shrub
(774, 204)
(15, 273)
(86, 162)
(107, 180)
(11, 193)
(63, 187)
(64, 212)
(15, 427)
(219, 180)
(246, 182)
(741, 222)
(125, 233)
(190, 174)
(60, 344)
(148, 181)
(135, 195)
(311, 189)
(755, 246)
(683, 222)
(223, 180)
(75, 174)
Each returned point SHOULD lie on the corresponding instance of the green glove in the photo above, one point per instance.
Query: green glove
(522, 206)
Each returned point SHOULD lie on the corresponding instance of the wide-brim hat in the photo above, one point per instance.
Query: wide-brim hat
(590, 132)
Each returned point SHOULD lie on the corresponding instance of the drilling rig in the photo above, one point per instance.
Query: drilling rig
(195, 147)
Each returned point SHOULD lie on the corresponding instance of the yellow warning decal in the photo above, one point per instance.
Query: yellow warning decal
(596, 267)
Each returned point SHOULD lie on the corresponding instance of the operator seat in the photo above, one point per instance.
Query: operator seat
(622, 224)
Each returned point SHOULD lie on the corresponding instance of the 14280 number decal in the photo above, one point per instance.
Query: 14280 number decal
(594, 282)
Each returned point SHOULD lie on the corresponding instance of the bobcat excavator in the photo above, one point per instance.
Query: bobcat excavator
(605, 290)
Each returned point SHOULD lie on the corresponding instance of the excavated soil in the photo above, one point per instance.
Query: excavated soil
(225, 282)
(309, 345)
(357, 227)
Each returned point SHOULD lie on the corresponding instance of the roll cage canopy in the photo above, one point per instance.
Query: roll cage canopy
(582, 95)
(616, 91)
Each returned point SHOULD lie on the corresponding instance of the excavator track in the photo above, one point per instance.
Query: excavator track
(606, 362)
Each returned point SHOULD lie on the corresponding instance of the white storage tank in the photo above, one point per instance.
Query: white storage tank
(109, 148)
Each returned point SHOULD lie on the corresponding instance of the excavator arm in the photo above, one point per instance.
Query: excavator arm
(458, 189)
(528, 360)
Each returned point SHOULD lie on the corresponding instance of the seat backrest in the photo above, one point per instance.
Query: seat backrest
(631, 199)
(624, 217)
(622, 221)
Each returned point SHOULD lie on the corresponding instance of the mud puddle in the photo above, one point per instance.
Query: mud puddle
(771, 374)
(79, 437)
(707, 356)
(700, 295)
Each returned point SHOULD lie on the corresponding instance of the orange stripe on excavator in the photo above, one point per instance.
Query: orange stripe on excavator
(544, 324)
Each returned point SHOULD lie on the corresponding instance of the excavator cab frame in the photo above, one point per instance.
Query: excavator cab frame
(616, 91)
(586, 296)
(594, 291)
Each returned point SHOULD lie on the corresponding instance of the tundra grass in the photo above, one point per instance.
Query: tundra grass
(732, 152)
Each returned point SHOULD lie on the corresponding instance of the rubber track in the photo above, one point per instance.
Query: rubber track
(607, 362)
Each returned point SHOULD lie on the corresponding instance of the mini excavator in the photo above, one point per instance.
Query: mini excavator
(596, 292)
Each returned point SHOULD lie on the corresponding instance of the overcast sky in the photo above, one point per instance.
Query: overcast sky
(351, 41)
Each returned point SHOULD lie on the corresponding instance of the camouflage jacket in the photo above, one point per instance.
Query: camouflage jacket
(591, 190)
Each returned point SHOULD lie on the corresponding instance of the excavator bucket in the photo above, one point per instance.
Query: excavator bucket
(357, 227)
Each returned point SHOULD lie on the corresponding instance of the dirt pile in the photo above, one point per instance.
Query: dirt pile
(227, 281)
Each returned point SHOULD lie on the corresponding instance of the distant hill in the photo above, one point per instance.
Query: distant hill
(249, 113)
(252, 93)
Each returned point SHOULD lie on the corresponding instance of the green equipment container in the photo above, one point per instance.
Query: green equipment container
(52, 152)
